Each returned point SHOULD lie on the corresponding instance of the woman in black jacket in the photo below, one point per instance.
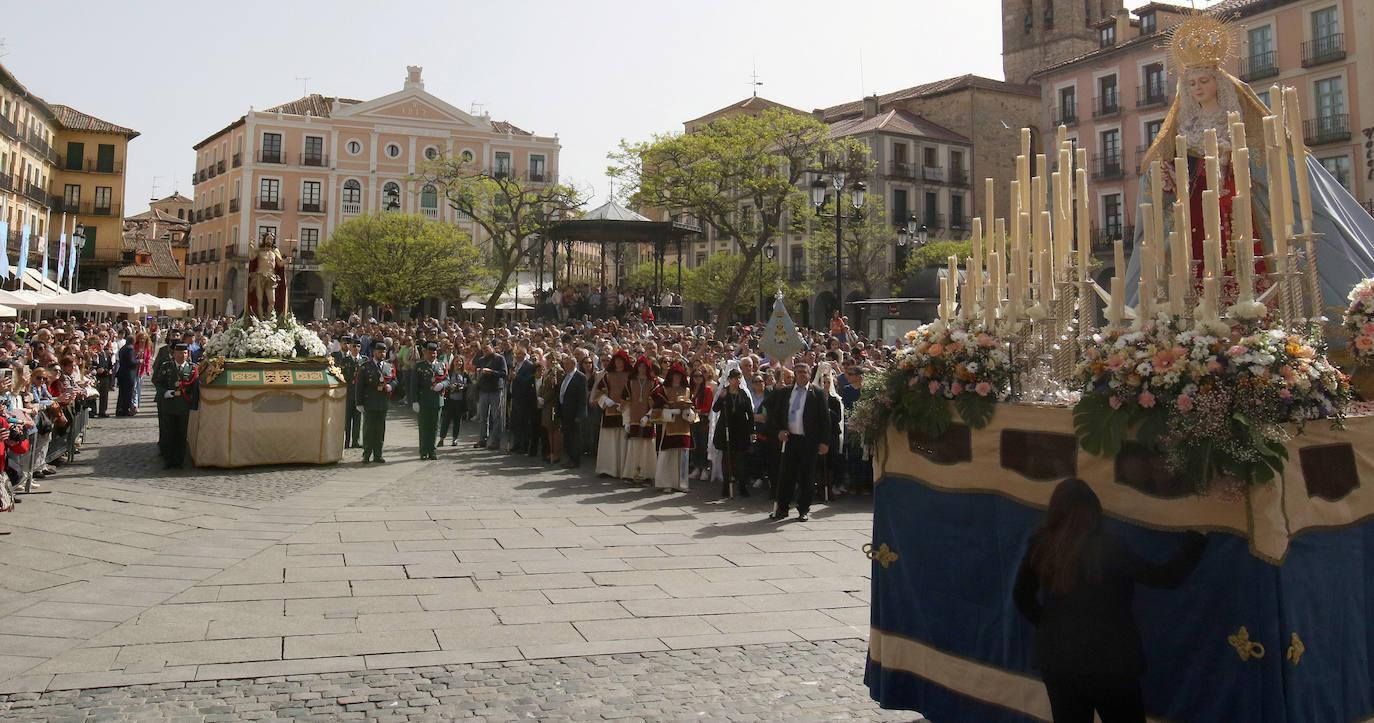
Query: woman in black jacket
(1076, 585)
(734, 433)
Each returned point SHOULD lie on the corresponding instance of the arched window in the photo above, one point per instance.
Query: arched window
(352, 192)
(391, 196)
(429, 196)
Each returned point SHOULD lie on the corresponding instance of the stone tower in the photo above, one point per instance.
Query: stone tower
(1037, 33)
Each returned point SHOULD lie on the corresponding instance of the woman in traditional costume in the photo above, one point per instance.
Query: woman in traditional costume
(640, 455)
(611, 392)
(1205, 98)
(675, 412)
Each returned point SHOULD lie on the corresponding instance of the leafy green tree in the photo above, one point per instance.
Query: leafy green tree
(642, 276)
(866, 242)
(937, 254)
(398, 259)
(510, 211)
(714, 284)
(744, 176)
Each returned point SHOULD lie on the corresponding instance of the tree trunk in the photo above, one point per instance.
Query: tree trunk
(725, 311)
(496, 296)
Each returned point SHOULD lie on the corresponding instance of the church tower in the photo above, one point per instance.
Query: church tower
(1037, 33)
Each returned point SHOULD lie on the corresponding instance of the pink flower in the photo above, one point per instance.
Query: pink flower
(1163, 361)
(985, 340)
(1146, 400)
(957, 389)
(1213, 366)
(1115, 402)
(1367, 329)
(1285, 394)
(934, 387)
(983, 389)
(936, 349)
(911, 383)
(1115, 361)
(1184, 403)
(1237, 350)
(1364, 343)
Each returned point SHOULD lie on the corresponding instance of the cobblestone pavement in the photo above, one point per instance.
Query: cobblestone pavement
(481, 585)
(779, 682)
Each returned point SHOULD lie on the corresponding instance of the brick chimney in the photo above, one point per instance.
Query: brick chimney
(870, 106)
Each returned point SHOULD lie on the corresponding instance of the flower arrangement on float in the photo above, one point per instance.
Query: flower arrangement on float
(1216, 400)
(945, 367)
(1359, 322)
(276, 337)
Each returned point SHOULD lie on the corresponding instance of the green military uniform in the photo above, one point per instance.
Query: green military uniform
(372, 393)
(164, 355)
(428, 375)
(177, 398)
(348, 365)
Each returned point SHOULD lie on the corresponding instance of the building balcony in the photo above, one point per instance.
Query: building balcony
(198, 215)
(8, 128)
(901, 169)
(195, 178)
(267, 204)
(314, 160)
(1107, 167)
(89, 165)
(219, 167)
(352, 209)
(1334, 128)
(796, 274)
(933, 221)
(233, 205)
(933, 173)
(1107, 105)
(36, 193)
(1066, 117)
(39, 146)
(1323, 50)
(1151, 95)
(218, 210)
(271, 157)
(960, 223)
(237, 160)
(6, 182)
(432, 213)
(231, 252)
(1104, 239)
(311, 207)
(1259, 66)
(211, 171)
(959, 177)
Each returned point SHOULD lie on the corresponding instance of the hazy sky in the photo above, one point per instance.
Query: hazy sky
(593, 72)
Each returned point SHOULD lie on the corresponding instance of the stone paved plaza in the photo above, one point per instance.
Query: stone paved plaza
(479, 586)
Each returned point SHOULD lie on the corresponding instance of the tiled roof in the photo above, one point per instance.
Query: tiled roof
(612, 211)
(176, 196)
(74, 120)
(508, 127)
(156, 215)
(927, 90)
(8, 80)
(748, 104)
(163, 266)
(314, 104)
(896, 121)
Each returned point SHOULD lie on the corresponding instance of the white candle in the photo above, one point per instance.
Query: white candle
(1178, 291)
(966, 303)
(1025, 142)
(1018, 283)
(988, 214)
(1293, 114)
(1084, 239)
(1211, 217)
(1116, 308)
(1272, 154)
(1022, 268)
(1282, 169)
(999, 236)
(1023, 180)
(1145, 307)
(951, 281)
(1046, 286)
(1119, 257)
(976, 262)
(1147, 262)
(1056, 226)
(989, 304)
(1242, 224)
(1245, 254)
(996, 278)
(1210, 298)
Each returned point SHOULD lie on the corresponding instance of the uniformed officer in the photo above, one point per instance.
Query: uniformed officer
(346, 359)
(176, 377)
(430, 382)
(372, 393)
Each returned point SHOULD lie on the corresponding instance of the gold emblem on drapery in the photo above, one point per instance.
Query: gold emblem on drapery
(883, 555)
(1295, 649)
(1245, 647)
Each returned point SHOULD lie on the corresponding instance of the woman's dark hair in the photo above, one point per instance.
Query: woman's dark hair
(1074, 518)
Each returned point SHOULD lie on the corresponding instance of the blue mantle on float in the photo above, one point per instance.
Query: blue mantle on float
(946, 639)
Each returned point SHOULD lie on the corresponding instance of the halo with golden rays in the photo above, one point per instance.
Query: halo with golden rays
(1202, 40)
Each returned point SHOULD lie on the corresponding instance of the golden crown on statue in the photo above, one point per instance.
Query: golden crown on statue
(1201, 41)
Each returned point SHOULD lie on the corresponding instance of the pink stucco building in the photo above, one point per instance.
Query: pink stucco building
(1113, 99)
(302, 168)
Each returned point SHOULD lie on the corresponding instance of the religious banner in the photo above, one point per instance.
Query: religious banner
(780, 337)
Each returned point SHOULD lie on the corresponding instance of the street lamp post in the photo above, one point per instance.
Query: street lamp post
(859, 189)
(79, 243)
(912, 234)
(769, 251)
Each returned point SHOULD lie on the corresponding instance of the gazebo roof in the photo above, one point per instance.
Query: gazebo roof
(613, 223)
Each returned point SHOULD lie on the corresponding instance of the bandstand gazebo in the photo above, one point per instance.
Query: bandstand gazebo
(612, 223)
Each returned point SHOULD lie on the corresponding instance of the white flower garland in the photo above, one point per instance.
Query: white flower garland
(270, 338)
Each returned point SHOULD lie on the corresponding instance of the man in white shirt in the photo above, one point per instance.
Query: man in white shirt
(800, 420)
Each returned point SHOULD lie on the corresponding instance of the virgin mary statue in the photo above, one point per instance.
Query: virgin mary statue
(1206, 94)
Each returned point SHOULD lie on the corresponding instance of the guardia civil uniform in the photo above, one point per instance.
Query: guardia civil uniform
(179, 395)
(430, 383)
(372, 392)
(347, 362)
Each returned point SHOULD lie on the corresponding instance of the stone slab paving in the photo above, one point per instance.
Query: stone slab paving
(476, 559)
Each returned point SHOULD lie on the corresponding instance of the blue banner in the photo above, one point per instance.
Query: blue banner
(62, 257)
(5, 240)
(71, 264)
(23, 254)
(45, 243)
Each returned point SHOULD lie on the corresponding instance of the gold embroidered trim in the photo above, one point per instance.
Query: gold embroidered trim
(213, 368)
(1295, 649)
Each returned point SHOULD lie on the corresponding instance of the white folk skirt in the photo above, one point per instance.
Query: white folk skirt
(671, 471)
(640, 458)
(610, 451)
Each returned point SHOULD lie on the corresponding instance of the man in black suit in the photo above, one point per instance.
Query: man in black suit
(572, 408)
(524, 407)
(102, 368)
(800, 420)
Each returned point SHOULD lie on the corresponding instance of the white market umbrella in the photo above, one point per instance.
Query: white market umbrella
(473, 306)
(14, 300)
(90, 300)
(33, 297)
(152, 303)
(509, 305)
(170, 304)
(7, 312)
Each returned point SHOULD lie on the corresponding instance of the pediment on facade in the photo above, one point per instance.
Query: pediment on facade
(413, 105)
